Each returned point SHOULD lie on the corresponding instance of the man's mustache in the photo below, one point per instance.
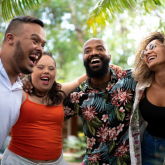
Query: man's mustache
(100, 57)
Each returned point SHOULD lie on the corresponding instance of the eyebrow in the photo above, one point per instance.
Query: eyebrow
(44, 65)
(96, 47)
(36, 35)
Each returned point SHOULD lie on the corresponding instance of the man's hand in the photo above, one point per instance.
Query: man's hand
(21, 76)
(115, 68)
(27, 85)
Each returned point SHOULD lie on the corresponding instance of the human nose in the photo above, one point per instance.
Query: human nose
(39, 47)
(148, 51)
(94, 52)
(46, 71)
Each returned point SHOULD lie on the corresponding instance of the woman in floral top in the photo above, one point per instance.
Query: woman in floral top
(150, 96)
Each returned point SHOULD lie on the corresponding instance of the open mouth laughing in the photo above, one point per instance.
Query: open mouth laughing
(95, 62)
(150, 58)
(45, 80)
(34, 58)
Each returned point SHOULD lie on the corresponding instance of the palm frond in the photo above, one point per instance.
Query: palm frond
(99, 102)
(104, 149)
(108, 10)
(12, 8)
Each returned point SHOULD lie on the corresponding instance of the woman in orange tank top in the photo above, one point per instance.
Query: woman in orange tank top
(37, 134)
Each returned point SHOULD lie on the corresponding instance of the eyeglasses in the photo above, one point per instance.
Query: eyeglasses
(151, 47)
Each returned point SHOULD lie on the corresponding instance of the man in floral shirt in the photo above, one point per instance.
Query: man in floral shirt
(104, 103)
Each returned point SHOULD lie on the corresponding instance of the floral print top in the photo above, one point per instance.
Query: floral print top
(105, 117)
(137, 126)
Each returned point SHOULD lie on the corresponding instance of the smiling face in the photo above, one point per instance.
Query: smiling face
(96, 58)
(29, 46)
(156, 56)
(44, 74)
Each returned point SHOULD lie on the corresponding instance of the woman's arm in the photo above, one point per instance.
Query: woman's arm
(69, 87)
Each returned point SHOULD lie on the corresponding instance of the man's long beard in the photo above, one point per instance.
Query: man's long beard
(100, 72)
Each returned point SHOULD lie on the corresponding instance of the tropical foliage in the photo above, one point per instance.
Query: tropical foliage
(103, 12)
(11, 8)
(66, 30)
(106, 11)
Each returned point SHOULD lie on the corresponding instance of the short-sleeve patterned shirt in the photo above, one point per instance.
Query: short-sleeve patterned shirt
(105, 117)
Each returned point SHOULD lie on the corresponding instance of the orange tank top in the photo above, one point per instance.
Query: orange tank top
(37, 133)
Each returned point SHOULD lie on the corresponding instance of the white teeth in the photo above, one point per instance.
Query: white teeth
(32, 55)
(150, 58)
(35, 56)
(95, 60)
(45, 78)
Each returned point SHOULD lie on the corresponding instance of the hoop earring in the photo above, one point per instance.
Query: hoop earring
(141, 55)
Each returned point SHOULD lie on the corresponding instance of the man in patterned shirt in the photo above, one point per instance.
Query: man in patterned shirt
(104, 103)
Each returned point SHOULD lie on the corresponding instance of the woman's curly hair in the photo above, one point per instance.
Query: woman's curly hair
(55, 95)
(141, 71)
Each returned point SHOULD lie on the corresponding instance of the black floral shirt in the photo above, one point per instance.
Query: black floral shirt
(105, 117)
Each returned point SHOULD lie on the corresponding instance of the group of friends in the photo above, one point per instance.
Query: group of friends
(121, 111)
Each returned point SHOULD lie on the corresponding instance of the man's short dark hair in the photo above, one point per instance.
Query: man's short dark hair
(15, 23)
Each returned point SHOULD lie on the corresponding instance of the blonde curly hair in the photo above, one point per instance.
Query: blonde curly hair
(141, 71)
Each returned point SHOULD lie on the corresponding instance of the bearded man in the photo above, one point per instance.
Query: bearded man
(21, 49)
(104, 103)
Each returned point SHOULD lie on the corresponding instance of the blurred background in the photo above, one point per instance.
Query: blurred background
(69, 23)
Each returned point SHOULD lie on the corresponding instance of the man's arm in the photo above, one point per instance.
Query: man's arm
(66, 87)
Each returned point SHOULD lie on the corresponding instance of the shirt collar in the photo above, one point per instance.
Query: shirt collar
(142, 86)
(113, 79)
(17, 85)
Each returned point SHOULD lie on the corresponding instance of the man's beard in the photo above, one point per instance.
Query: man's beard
(102, 72)
(19, 57)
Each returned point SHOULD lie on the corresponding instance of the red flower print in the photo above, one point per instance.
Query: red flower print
(88, 112)
(108, 88)
(120, 96)
(75, 97)
(68, 111)
(104, 118)
(90, 142)
(112, 134)
(120, 128)
(94, 158)
(121, 74)
(120, 151)
(102, 133)
(121, 110)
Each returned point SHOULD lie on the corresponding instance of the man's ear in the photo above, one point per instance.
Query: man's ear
(10, 38)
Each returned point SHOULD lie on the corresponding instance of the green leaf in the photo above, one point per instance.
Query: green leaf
(12, 8)
(105, 97)
(129, 107)
(111, 146)
(126, 158)
(76, 108)
(82, 86)
(91, 128)
(96, 124)
(119, 161)
(88, 151)
(96, 119)
(89, 163)
(120, 116)
(106, 11)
